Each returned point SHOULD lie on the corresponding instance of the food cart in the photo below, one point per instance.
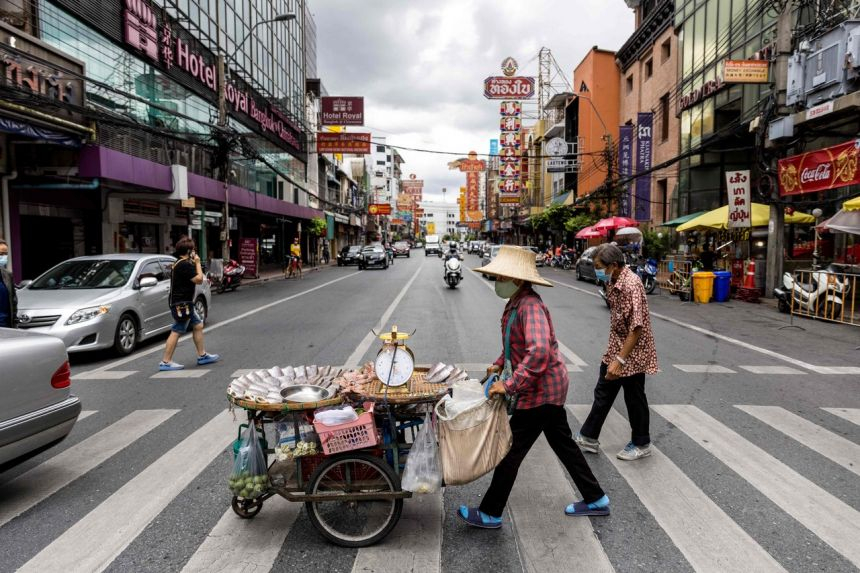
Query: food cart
(348, 474)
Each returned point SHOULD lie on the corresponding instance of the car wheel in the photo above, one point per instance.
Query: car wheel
(408, 255)
(201, 308)
(125, 339)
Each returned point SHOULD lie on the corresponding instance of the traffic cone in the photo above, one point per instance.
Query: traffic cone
(749, 278)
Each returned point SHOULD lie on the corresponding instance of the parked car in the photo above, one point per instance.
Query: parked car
(539, 256)
(418, 245)
(485, 249)
(349, 255)
(373, 256)
(401, 249)
(104, 301)
(585, 266)
(37, 410)
(488, 257)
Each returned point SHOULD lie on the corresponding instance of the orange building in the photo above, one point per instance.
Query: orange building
(596, 82)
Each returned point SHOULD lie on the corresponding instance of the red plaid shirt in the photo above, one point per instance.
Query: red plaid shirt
(539, 374)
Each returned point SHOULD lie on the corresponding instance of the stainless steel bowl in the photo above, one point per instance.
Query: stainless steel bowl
(304, 393)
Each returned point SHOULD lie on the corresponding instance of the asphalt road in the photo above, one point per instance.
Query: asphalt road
(757, 432)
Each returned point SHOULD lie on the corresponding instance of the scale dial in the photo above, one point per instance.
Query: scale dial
(394, 368)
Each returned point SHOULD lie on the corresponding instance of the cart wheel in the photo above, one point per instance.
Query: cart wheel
(354, 523)
(246, 508)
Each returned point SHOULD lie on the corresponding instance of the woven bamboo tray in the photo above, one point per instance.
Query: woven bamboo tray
(415, 391)
(286, 406)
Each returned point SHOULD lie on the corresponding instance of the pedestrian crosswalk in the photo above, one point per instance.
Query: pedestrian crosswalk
(666, 489)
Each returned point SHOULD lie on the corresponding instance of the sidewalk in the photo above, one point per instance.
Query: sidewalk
(279, 274)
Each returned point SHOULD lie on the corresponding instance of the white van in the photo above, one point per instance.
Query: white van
(432, 246)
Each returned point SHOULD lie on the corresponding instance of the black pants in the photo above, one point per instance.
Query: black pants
(637, 406)
(526, 427)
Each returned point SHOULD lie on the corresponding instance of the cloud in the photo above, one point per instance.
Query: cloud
(420, 66)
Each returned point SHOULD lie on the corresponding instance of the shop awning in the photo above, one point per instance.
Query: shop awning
(718, 219)
(681, 220)
(844, 221)
(852, 204)
(563, 199)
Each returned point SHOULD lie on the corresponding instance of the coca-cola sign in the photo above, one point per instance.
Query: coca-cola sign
(514, 88)
(820, 170)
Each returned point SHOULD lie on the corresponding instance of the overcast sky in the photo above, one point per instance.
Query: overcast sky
(420, 65)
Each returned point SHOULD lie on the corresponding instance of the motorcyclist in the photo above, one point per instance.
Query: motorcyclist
(452, 251)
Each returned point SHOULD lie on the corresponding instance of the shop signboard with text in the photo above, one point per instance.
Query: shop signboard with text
(352, 143)
(248, 255)
(625, 166)
(341, 110)
(746, 71)
(740, 201)
(820, 170)
(379, 209)
(644, 143)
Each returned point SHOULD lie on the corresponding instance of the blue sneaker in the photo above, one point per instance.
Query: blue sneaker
(169, 366)
(580, 508)
(208, 359)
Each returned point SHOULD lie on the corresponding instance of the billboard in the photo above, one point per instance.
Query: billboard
(353, 143)
(342, 110)
(513, 88)
(820, 170)
(644, 143)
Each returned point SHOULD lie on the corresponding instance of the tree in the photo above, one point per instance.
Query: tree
(579, 222)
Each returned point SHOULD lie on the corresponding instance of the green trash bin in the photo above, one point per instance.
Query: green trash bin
(703, 287)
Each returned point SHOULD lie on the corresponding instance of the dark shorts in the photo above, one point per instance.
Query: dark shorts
(185, 318)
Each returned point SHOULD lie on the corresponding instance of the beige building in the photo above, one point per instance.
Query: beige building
(648, 63)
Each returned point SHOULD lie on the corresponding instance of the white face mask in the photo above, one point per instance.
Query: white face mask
(4, 260)
(506, 289)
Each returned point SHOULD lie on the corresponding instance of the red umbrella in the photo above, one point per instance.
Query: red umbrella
(590, 233)
(615, 223)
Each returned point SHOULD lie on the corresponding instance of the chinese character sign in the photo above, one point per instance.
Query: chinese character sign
(740, 204)
(644, 137)
(625, 166)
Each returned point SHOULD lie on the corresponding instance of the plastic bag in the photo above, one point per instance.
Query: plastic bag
(249, 478)
(423, 473)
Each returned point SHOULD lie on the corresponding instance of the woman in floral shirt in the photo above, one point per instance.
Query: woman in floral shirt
(629, 356)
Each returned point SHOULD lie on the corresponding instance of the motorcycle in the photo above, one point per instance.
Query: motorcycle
(453, 272)
(230, 278)
(647, 271)
(823, 296)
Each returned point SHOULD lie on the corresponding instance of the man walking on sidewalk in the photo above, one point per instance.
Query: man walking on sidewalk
(186, 275)
(629, 356)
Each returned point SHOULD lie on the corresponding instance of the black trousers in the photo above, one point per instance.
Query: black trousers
(637, 406)
(526, 427)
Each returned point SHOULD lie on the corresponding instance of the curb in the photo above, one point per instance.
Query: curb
(280, 276)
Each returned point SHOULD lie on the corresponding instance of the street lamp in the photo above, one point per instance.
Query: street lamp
(223, 119)
(817, 214)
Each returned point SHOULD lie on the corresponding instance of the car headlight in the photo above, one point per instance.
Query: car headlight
(86, 314)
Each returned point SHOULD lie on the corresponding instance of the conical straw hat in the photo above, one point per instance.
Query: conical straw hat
(514, 263)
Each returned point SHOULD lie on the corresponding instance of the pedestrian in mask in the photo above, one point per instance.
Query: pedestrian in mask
(533, 374)
(8, 297)
(629, 356)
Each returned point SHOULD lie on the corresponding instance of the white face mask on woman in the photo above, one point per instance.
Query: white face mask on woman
(506, 288)
(4, 260)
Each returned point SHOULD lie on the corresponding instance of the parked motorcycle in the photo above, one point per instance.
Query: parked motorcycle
(647, 271)
(230, 278)
(822, 296)
(453, 272)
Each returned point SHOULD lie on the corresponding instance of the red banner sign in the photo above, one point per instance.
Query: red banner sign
(507, 124)
(515, 88)
(379, 209)
(342, 110)
(510, 108)
(354, 143)
(820, 170)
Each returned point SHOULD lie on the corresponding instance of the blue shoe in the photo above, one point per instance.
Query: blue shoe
(208, 359)
(169, 366)
(477, 518)
(580, 508)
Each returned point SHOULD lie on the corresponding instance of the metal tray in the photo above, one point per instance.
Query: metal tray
(306, 393)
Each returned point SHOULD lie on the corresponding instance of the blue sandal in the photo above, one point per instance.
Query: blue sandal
(580, 508)
(472, 516)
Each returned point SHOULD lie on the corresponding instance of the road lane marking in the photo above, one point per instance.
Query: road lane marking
(836, 369)
(710, 540)
(47, 478)
(243, 316)
(548, 540)
(704, 369)
(355, 358)
(831, 519)
(780, 370)
(93, 542)
(850, 414)
(181, 374)
(104, 375)
(832, 446)
(237, 544)
(414, 545)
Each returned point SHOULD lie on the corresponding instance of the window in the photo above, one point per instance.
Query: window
(388, 158)
(152, 269)
(663, 194)
(649, 69)
(630, 83)
(664, 117)
(666, 51)
(380, 149)
(380, 162)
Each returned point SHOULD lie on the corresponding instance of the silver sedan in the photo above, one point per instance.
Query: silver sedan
(104, 301)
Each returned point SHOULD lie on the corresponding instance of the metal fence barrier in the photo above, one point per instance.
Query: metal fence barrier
(826, 295)
(676, 277)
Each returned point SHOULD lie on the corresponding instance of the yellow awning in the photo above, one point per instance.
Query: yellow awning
(852, 204)
(718, 219)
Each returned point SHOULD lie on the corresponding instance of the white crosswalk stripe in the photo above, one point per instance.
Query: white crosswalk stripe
(780, 370)
(835, 522)
(104, 375)
(93, 542)
(86, 414)
(47, 478)
(709, 539)
(844, 452)
(704, 369)
(850, 414)
(196, 373)
(835, 369)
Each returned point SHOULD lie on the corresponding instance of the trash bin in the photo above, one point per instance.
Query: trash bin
(703, 286)
(722, 285)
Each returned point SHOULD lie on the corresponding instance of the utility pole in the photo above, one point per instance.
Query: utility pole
(610, 179)
(776, 226)
(225, 173)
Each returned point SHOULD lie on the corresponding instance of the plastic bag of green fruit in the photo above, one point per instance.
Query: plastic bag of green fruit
(249, 478)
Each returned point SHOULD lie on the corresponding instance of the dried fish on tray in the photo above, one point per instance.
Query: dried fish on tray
(272, 388)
